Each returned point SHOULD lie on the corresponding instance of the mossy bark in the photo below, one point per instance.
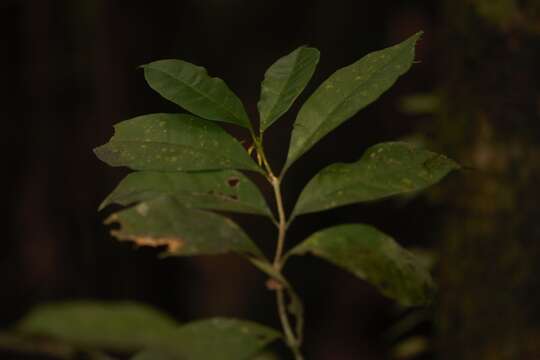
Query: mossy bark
(490, 255)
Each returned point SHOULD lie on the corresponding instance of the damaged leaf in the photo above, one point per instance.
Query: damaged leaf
(384, 170)
(226, 190)
(173, 142)
(190, 87)
(346, 92)
(374, 257)
(183, 231)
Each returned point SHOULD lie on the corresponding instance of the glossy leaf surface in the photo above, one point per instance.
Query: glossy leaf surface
(284, 81)
(375, 257)
(226, 190)
(190, 87)
(164, 222)
(346, 92)
(384, 170)
(173, 142)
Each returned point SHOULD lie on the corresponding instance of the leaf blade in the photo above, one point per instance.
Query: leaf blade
(346, 92)
(374, 257)
(131, 327)
(121, 326)
(227, 190)
(183, 231)
(173, 142)
(283, 82)
(190, 87)
(386, 169)
(222, 338)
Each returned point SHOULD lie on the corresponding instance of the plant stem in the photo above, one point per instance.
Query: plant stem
(282, 222)
(293, 340)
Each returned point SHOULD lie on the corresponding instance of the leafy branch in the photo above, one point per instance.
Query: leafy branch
(186, 166)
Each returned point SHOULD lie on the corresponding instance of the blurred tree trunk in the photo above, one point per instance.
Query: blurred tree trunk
(490, 289)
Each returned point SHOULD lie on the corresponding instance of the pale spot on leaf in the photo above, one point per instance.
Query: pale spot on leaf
(142, 209)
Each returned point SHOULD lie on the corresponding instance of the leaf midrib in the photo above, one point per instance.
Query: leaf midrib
(196, 194)
(280, 94)
(203, 151)
(357, 182)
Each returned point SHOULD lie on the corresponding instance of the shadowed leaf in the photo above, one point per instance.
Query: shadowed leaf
(227, 190)
(173, 142)
(223, 339)
(113, 326)
(131, 327)
(164, 222)
(190, 87)
(157, 355)
(283, 82)
(375, 257)
(346, 92)
(384, 170)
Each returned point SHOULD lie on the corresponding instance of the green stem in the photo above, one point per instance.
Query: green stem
(293, 340)
(282, 223)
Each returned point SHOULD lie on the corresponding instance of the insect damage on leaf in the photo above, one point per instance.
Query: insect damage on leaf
(233, 181)
(172, 243)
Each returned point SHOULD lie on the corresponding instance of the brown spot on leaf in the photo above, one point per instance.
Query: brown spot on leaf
(233, 181)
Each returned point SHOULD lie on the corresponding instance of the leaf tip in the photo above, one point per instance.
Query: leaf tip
(98, 151)
(103, 204)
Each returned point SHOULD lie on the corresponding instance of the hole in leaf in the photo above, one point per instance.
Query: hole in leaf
(233, 181)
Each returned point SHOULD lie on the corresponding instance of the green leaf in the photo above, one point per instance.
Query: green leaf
(375, 257)
(183, 231)
(131, 327)
(157, 355)
(384, 170)
(122, 326)
(190, 87)
(226, 190)
(221, 338)
(266, 356)
(284, 81)
(346, 92)
(173, 142)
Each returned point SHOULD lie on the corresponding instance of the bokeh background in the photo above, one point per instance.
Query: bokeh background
(69, 72)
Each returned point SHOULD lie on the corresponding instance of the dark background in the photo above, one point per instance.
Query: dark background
(70, 72)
